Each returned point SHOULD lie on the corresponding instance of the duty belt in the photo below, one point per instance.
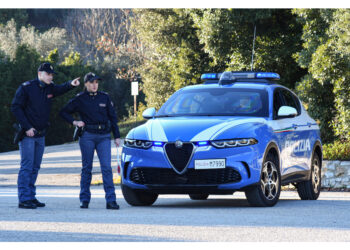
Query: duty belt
(97, 126)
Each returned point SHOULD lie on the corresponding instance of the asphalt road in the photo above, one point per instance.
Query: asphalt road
(172, 218)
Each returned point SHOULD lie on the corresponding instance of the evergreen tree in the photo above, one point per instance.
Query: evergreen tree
(325, 54)
(184, 43)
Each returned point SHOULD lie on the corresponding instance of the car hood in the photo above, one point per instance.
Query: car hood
(195, 128)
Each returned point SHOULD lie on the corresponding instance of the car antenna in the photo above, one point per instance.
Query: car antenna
(251, 67)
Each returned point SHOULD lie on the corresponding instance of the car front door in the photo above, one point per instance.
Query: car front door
(287, 133)
(297, 147)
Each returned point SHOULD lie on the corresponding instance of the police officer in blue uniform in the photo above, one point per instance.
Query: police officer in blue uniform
(31, 107)
(98, 119)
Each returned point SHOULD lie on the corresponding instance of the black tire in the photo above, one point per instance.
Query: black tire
(310, 189)
(199, 196)
(267, 193)
(138, 197)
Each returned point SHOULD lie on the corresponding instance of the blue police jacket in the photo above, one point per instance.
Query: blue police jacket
(94, 109)
(32, 103)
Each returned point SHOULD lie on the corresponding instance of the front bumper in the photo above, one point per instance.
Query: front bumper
(151, 170)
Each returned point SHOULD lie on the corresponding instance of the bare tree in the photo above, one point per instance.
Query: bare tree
(97, 32)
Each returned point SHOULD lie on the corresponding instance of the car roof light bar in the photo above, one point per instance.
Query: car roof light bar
(231, 76)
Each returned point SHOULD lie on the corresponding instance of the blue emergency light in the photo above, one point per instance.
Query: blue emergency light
(210, 76)
(267, 75)
(158, 144)
(202, 143)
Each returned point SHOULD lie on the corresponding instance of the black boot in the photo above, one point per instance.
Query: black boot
(112, 205)
(27, 204)
(38, 203)
(84, 204)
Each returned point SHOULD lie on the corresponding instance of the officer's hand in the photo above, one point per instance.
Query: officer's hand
(30, 132)
(79, 123)
(117, 142)
(75, 82)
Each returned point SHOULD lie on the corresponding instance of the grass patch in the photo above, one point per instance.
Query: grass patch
(116, 181)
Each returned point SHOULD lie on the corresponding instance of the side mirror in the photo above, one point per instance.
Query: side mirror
(287, 111)
(149, 113)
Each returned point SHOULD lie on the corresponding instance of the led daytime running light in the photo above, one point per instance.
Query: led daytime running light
(234, 143)
(138, 143)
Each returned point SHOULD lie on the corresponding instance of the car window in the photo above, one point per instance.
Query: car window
(290, 100)
(277, 102)
(217, 101)
(296, 100)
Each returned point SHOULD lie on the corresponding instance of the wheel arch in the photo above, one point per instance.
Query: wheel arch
(318, 149)
(272, 147)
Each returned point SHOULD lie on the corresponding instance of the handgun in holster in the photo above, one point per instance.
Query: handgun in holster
(19, 133)
(78, 131)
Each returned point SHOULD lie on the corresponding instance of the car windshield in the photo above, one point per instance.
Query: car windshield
(216, 102)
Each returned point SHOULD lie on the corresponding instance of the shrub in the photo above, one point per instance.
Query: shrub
(338, 150)
(126, 126)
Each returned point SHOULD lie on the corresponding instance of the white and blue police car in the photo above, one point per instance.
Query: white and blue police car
(239, 131)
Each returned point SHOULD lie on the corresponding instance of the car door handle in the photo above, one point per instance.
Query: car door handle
(294, 126)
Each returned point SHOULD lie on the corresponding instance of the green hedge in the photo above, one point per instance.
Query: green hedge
(338, 150)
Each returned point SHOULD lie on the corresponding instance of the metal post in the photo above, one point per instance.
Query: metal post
(135, 108)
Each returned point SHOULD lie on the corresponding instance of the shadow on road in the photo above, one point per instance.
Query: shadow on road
(39, 236)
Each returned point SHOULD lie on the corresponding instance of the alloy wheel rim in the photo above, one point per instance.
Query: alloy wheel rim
(269, 180)
(316, 176)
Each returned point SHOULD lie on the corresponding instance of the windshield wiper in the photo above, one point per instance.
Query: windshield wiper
(177, 115)
(164, 116)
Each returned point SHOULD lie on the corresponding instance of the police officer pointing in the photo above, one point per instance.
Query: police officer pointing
(98, 119)
(31, 107)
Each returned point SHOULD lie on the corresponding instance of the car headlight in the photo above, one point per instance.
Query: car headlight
(138, 143)
(233, 143)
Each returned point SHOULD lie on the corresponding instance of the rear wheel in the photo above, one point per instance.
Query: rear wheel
(199, 196)
(138, 197)
(310, 189)
(267, 192)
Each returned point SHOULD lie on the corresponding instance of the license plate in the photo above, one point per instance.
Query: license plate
(210, 164)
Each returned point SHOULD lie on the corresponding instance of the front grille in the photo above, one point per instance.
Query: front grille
(165, 176)
(179, 157)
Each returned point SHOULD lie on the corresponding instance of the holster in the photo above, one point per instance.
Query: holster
(19, 133)
(78, 131)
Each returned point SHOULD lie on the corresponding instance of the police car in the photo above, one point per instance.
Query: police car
(238, 131)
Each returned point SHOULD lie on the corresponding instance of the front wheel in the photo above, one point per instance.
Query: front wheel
(267, 192)
(138, 197)
(310, 189)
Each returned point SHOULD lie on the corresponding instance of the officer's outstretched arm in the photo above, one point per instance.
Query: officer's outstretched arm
(60, 89)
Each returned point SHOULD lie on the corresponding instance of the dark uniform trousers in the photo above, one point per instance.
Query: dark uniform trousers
(89, 142)
(31, 150)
